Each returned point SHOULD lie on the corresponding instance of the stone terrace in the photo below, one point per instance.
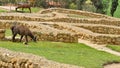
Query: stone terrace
(55, 25)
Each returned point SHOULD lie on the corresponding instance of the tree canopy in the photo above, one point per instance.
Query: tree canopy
(114, 6)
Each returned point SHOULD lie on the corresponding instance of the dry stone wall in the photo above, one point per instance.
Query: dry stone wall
(2, 34)
(99, 28)
(102, 29)
(60, 37)
(78, 12)
(7, 61)
(66, 19)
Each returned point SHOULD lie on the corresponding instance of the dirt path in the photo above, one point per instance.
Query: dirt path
(9, 8)
(113, 66)
(103, 48)
(99, 47)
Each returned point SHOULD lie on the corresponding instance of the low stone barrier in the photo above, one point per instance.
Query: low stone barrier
(66, 19)
(7, 61)
(115, 40)
(66, 37)
(7, 20)
(2, 34)
(101, 39)
(78, 12)
(102, 29)
(60, 37)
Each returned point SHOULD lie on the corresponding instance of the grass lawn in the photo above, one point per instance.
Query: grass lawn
(33, 10)
(2, 10)
(114, 47)
(70, 53)
(8, 32)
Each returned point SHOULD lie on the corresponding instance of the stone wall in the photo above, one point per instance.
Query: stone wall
(115, 40)
(66, 19)
(107, 34)
(102, 29)
(7, 61)
(65, 37)
(60, 37)
(2, 34)
(101, 39)
(78, 12)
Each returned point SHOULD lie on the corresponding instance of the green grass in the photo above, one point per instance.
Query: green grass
(33, 10)
(114, 47)
(8, 32)
(2, 10)
(70, 53)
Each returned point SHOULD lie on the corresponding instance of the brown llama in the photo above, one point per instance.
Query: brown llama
(24, 5)
(23, 31)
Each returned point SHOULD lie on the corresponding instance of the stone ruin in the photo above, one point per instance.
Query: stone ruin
(7, 61)
(97, 28)
(2, 34)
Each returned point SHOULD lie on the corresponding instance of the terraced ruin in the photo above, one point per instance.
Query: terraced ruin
(65, 25)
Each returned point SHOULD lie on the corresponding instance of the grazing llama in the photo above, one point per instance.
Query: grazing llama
(24, 5)
(23, 31)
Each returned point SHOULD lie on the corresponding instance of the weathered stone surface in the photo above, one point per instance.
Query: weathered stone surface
(103, 31)
(7, 61)
(2, 34)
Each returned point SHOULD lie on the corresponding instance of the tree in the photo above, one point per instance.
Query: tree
(72, 6)
(79, 4)
(99, 6)
(106, 4)
(38, 3)
(114, 6)
(31, 2)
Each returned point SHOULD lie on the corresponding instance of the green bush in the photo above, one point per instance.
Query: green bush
(72, 6)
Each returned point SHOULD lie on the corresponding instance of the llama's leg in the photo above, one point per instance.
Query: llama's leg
(13, 38)
(16, 9)
(30, 10)
(22, 9)
(26, 39)
(21, 38)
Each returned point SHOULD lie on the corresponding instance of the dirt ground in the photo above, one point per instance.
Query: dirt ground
(113, 66)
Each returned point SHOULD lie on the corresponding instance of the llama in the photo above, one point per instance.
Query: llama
(24, 5)
(23, 31)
